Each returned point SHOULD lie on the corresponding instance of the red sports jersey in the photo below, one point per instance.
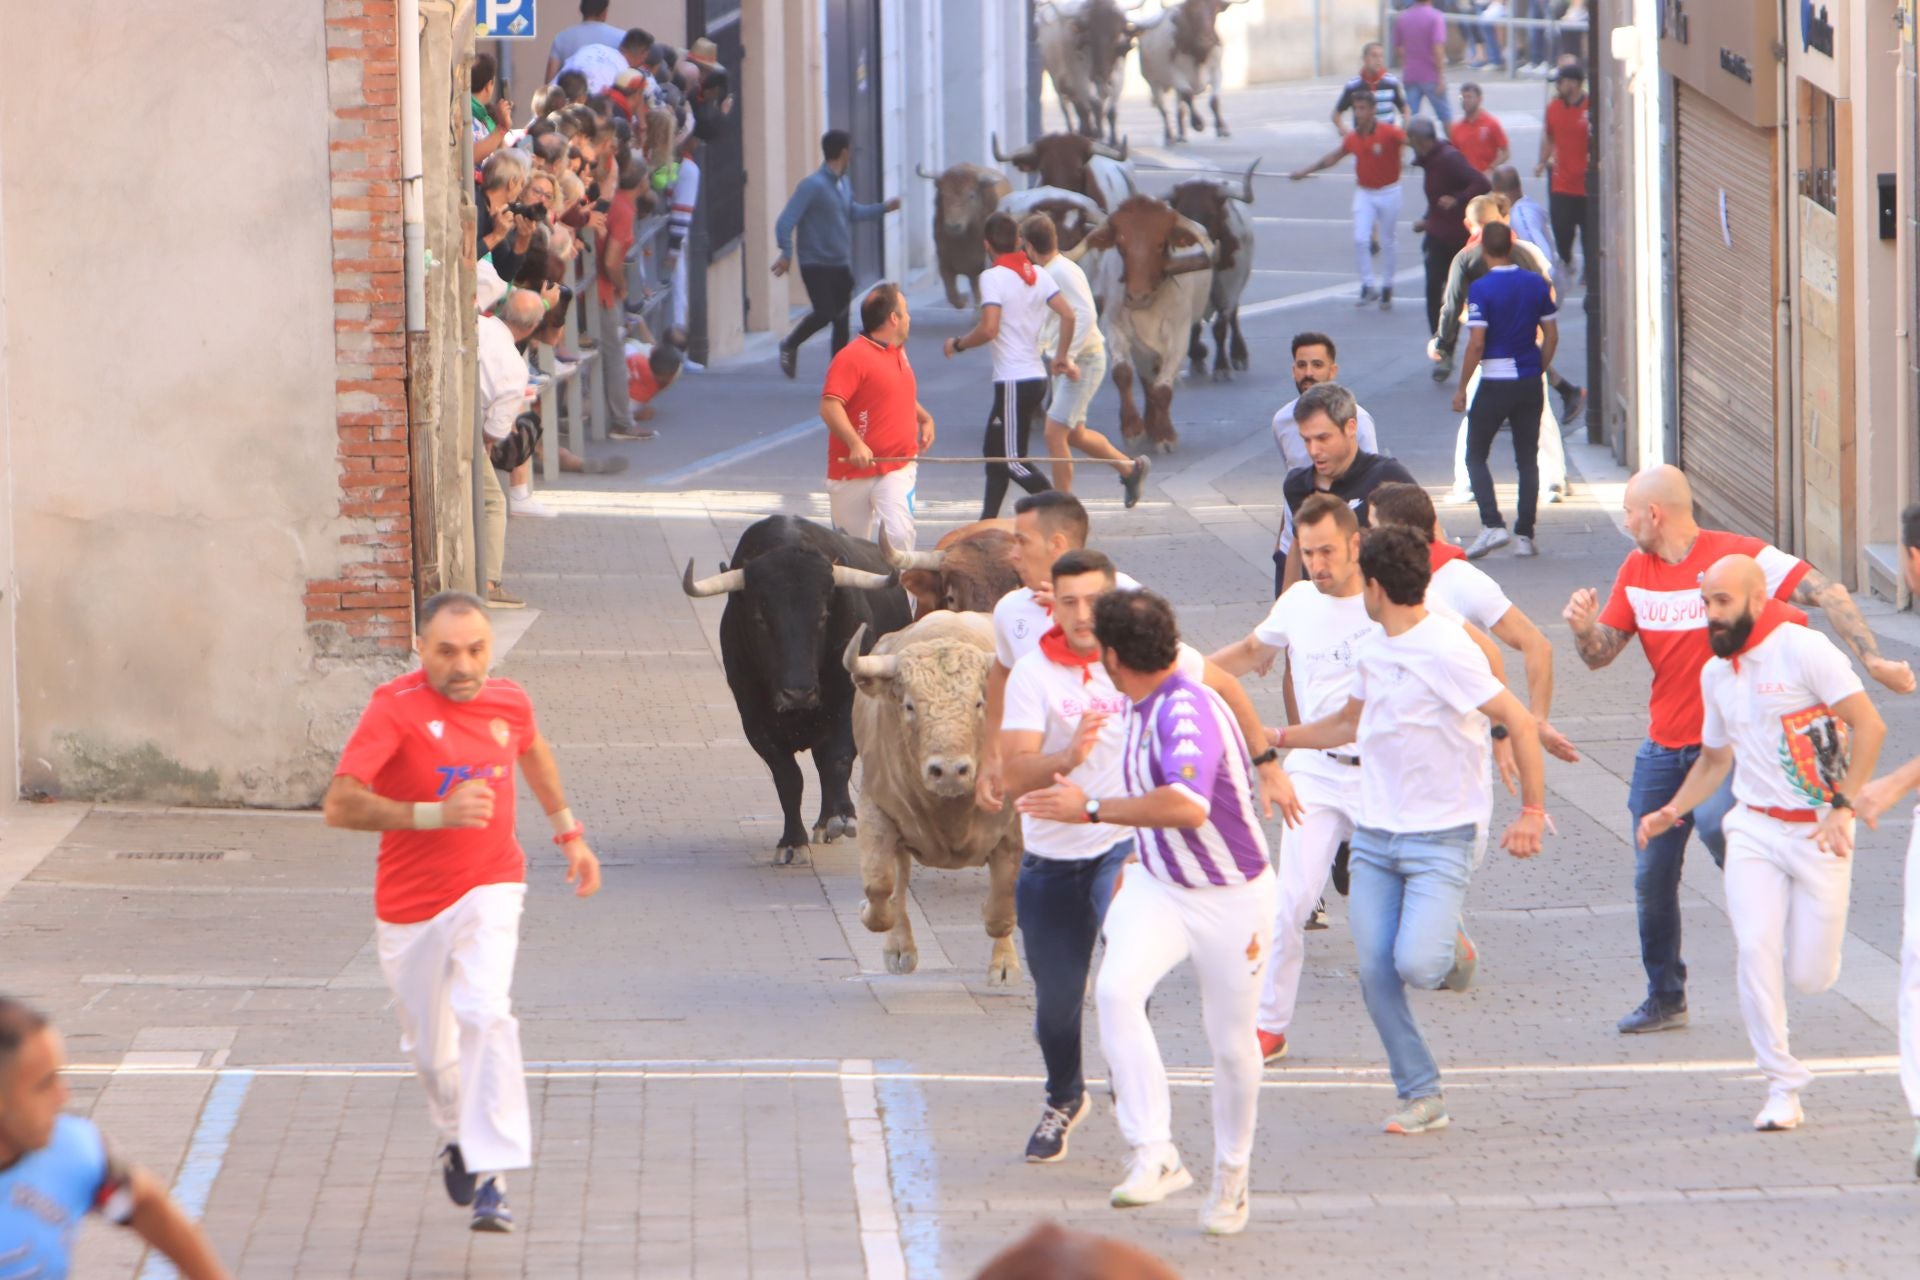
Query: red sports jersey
(1661, 603)
(413, 745)
(1376, 155)
(1479, 139)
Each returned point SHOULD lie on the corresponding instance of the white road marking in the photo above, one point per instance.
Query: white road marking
(872, 1188)
(1312, 296)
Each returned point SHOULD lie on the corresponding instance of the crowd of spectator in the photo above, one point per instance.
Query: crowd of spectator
(1480, 29)
(611, 141)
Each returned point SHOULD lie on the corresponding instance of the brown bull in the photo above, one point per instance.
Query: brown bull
(963, 196)
(1073, 163)
(918, 720)
(967, 571)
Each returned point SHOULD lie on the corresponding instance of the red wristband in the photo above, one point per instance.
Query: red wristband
(568, 836)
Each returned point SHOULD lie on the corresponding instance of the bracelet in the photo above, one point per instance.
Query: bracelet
(567, 837)
(1539, 811)
(429, 816)
(1280, 737)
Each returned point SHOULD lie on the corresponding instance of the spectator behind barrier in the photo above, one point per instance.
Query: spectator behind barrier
(498, 231)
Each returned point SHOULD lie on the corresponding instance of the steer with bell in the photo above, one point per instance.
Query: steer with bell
(797, 592)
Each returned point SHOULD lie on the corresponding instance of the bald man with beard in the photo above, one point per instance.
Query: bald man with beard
(1786, 717)
(1656, 595)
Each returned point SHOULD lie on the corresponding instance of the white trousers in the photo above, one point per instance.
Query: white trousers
(1787, 902)
(1375, 210)
(450, 978)
(863, 506)
(1553, 449)
(1910, 977)
(1227, 932)
(1306, 855)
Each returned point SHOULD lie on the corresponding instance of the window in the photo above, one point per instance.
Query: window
(1818, 142)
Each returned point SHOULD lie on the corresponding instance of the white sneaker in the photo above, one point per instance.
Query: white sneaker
(1781, 1113)
(1523, 548)
(1458, 497)
(1229, 1204)
(530, 506)
(1489, 540)
(1153, 1174)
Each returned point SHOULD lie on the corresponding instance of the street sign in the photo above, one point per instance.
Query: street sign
(503, 20)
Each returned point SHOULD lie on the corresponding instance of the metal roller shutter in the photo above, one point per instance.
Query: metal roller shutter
(1725, 298)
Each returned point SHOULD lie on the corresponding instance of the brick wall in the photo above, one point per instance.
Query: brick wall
(368, 608)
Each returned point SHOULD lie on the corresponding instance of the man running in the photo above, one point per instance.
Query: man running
(822, 211)
(1879, 797)
(430, 766)
(1478, 132)
(1069, 398)
(1656, 594)
(1329, 422)
(1788, 718)
(1315, 362)
(871, 405)
(1202, 891)
(55, 1168)
(1375, 148)
(1015, 297)
(1422, 696)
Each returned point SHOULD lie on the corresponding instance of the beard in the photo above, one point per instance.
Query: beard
(1727, 638)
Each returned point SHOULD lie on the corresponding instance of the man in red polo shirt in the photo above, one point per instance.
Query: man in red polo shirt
(1657, 597)
(430, 767)
(1564, 150)
(1375, 148)
(872, 409)
(1477, 133)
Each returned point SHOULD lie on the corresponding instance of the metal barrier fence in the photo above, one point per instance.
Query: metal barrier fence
(1478, 32)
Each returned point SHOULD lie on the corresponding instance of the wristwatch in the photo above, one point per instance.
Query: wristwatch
(1093, 811)
(1500, 732)
(1266, 757)
(1840, 800)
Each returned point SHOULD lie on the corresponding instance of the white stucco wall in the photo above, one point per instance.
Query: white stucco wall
(169, 347)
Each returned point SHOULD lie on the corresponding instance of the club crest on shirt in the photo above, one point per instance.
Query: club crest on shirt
(1019, 628)
(1813, 751)
(500, 730)
(438, 728)
(1186, 773)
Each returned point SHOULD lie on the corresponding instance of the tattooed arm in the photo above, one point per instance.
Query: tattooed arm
(1597, 642)
(1817, 591)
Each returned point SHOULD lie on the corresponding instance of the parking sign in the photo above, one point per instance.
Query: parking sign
(503, 20)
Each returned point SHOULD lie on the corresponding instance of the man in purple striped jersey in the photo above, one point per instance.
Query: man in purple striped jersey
(1204, 891)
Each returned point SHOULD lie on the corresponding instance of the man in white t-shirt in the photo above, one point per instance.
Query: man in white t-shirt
(1314, 363)
(1422, 696)
(1786, 713)
(1015, 300)
(1068, 399)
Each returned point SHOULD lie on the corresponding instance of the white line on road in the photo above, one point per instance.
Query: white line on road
(1312, 296)
(739, 453)
(872, 1188)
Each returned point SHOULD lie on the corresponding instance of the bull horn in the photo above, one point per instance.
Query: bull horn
(871, 667)
(720, 584)
(905, 560)
(848, 576)
(1112, 153)
(1248, 181)
(921, 170)
(998, 155)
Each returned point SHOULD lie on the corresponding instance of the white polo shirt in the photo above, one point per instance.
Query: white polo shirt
(1469, 591)
(1776, 712)
(1019, 621)
(1023, 312)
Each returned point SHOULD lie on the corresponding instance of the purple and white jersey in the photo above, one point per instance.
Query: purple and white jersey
(1183, 736)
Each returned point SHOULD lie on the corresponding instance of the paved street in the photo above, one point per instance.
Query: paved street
(727, 1083)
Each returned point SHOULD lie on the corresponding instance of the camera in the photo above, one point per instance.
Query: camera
(531, 212)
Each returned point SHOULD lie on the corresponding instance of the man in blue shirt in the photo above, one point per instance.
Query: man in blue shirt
(822, 209)
(55, 1169)
(1511, 335)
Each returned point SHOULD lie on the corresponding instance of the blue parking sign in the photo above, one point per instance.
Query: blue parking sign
(503, 20)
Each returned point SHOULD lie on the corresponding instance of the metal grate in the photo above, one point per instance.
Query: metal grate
(170, 855)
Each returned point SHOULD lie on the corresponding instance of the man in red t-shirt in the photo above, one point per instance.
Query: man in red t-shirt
(872, 409)
(430, 767)
(610, 281)
(1564, 150)
(1656, 596)
(1375, 148)
(1477, 133)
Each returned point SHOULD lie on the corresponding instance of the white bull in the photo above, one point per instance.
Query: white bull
(1221, 209)
(918, 718)
(1083, 46)
(1180, 53)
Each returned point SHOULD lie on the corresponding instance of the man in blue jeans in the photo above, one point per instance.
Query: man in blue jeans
(820, 214)
(1422, 696)
(1656, 595)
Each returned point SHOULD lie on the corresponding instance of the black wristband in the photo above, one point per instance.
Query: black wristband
(1266, 757)
(1500, 733)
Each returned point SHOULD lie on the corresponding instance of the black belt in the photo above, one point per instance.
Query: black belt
(1352, 762)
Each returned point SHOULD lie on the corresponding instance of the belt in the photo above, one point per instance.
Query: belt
(1787, 815)
(1352, 762)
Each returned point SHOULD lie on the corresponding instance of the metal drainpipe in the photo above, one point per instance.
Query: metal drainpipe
(1597, 399)
(1786, 447)
(412, 203)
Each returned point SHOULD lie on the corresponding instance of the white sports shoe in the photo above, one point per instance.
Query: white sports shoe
(1153, 1174)
(530, 506)
(1487, 541)
(1458, 497)
(1781, 1113)
(1229, 1204)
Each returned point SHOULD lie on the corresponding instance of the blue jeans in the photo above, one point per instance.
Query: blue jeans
(1437, 100)
(1407, 892)
(1061, 905)
(1657, 774)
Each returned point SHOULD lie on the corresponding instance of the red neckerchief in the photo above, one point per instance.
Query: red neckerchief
(1773, 615)
(1054, 645)
(1018, 263)
(1439, 553)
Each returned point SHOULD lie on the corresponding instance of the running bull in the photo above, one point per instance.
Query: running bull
(968, 570)
(1083, 47)
(1221, 210)
(796, 592)
(918, 720)
(963, 196)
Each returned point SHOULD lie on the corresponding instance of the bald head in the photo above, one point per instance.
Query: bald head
(523, 311)
(1659, 509)
(1740, 575)
(1735, 591)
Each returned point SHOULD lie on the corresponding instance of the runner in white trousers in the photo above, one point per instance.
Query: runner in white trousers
(430, 767)
(1202, 890)
(1875, 799)
(1786, 713)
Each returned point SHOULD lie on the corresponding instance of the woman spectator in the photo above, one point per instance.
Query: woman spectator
(498, 231)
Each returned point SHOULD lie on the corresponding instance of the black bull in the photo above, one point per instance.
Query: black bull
(796, 593)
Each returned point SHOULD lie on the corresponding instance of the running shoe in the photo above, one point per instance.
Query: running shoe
(1317, 918)
(1273, 1046)
(453, 1169)
(1654, 1015)
(1341, 879)
(1366, 295)
(1419, 1115)
(1572, 400)
(1229, 1203)
(789, 360)
(530, 506)
(1466, 959)
(1488, 541)
(490, 1211)
(1386, 299)
(1525, 548)
(634, 432)
(1135, 480)
(1153, 1173)
(1443, 368)
(1049, 1141)
(1781, 1113)
(497, 598)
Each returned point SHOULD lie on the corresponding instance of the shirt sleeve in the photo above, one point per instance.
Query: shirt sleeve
(1190, 745)
(1191, 663)
(1368, 437)
(1002, 646)
(1449, 331)
(843, 380)
(1273, 629)
(113, 1197)
(1827, 670)
(1713, 725)
(1485, 603)
(993, 287)
(1499, 133)
(375, 740)
(1783, 571)
(1476, 317)
(1459, 677)
(1046, 284)
(1618, 612)
(1024, 708)
(1548, 307)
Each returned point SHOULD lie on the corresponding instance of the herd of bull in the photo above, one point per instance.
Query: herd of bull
(844, 648)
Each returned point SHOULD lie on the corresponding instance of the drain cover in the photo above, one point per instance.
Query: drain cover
(170, 855)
